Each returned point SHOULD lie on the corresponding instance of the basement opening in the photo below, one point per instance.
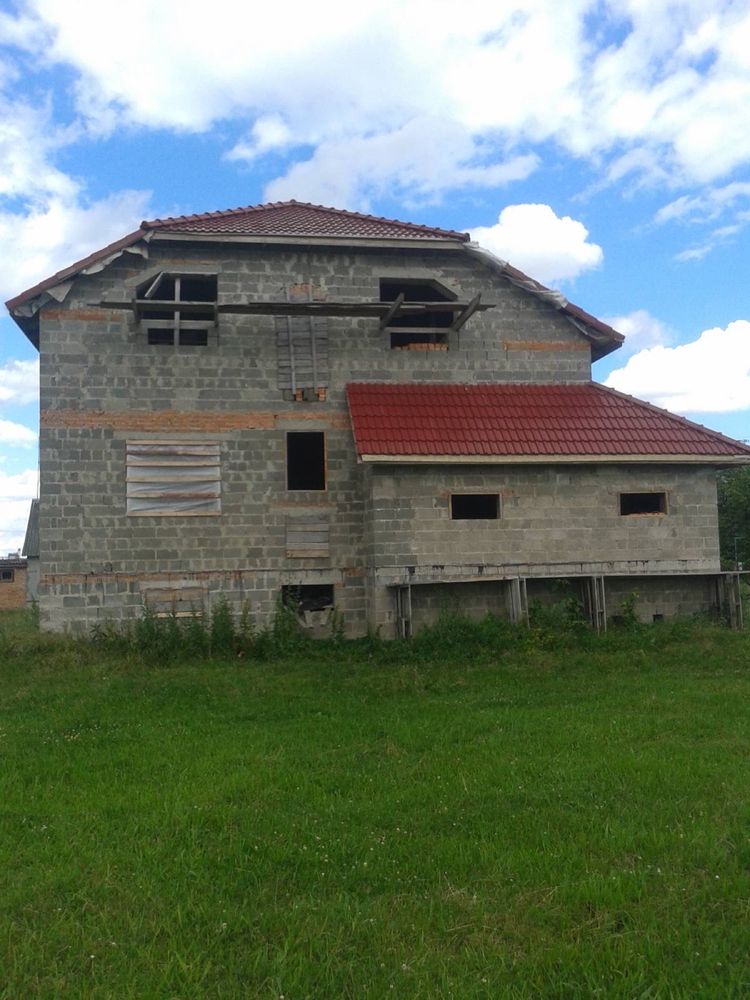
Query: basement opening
(643, 503)
(305, 460)
(420, 329)
(307, 597)
(475, 506)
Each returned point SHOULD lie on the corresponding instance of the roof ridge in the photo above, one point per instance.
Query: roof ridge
(229, 212)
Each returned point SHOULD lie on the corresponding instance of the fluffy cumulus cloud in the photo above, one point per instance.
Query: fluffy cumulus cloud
(16, 435)
(664, 89)
(544, 245)
(351, 171)
(15, 493)
(19, 382)
(641, 330)
(707, 375)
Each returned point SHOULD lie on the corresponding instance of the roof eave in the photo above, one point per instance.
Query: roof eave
(604, 339)
(23, 308)
(555, 459)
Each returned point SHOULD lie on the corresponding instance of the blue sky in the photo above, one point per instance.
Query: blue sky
(602, 147)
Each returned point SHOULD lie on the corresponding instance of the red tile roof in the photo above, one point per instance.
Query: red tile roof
(521, 420)
(299, 218)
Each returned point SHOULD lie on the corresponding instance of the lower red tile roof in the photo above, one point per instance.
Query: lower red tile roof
(521, 420)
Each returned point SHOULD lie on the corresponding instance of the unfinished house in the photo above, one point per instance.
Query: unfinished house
(289, 402)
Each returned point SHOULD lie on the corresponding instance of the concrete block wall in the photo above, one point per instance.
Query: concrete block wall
(654, 597)
(663, 597)
(102, 385)
(548, 515)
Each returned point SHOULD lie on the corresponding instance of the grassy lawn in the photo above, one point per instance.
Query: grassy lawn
(527, 819)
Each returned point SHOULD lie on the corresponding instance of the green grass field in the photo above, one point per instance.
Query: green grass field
(474, 815)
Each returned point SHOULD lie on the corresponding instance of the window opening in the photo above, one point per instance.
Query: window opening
(421, 328)
(174, 601)
(157, 336)
(6, 576)
(305, 460)
(643, 503)
(177, 310)
(173, 478)
(305, 597)
(193, 338)
(475, 506)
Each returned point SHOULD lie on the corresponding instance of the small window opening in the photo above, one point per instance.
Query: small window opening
(307, 597)
(424, 329)
(643, 503)
(305, 460)
(185, 338)
(193, 338)
(6, 576)
(157, 336)
(475, 506)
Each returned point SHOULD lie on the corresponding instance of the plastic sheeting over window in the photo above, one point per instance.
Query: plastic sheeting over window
(173, 478)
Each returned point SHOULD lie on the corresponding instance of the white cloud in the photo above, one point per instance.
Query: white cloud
(46, 221)
(546, 246)
(663, 87)
(16, 435)
(268, 134)
(707, 205)
(27, 141)
(349, 171)
(16, 492)
(19, 382)
(708, 375)
(641, 330)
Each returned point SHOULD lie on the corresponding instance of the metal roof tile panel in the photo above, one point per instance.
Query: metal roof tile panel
(522, 420)
(296, 218)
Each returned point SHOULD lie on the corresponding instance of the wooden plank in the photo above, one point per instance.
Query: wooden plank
(281, 308)
(172, 449)
(468, 312)
(168, 461)
(388, 316)
(175, 595)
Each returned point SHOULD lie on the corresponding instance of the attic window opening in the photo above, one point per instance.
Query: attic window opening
(475, 506)
(643, 503)
(305, 460)
(419, 328)
(176, 310)
(184, 338)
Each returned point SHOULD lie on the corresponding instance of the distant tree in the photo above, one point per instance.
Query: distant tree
(734, 515)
